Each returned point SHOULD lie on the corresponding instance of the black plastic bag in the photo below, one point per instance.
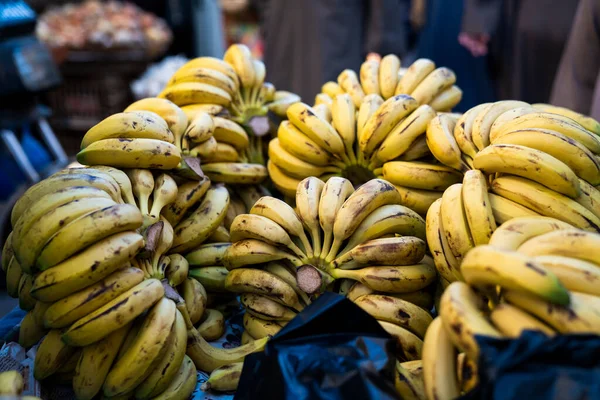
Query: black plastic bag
(331, 350)
(535, 366)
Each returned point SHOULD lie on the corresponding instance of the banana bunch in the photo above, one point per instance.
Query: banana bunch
(361, 242)
(376, 139)
(385, 78)
(536, 273)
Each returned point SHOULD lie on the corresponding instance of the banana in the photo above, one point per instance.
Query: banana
(175, 118)
(188, 194)
(589, 197)
(200, 224)
(201, 128)
(246, 280)
(349, 83)
(439, 363)
(366, 199)
(283, 101)
(512, 321)
(282, 271)
(137, 361)
(142, 182)
(224, 379)
(284, 183)
(580, 316)
(308, 196)
(477, 207)
(251, 252)
(97, 173)
(11, 383)
(418, 149)
(207, 254)
(195, 298)
(56, 191)
(331, 89)
(7, 251)
(488, 266)
(409, 380)
(568, 242)
(435, 240)
(282, 214)
(447, 99)
(129, 125)
(183, 383)
(396, 311)
(483, 122)
(575, 275)
(567, 150)
(366, 109)
(296, 143)
(462, 319)
(265, 308)
(392, 279)
(441, 142)
(358, 290)
(211, 278)
(455, 222)
(205, 149)
(212, 63)
(464, 127)
(322, 98)
(545, 201)
(335, 192)
(95, 362)
(192, 110)
(294, 166)
(212, 326)
(397, 251)
(381, 123)
(240, 58)
(422, 298)
(323, 111)
(343, 112)
(177, 270)
(227, 131)
(235, 173)
(131, 153)
(587, 122)
(420, 175)
(504, 210)
(529, 163)
(165, 192)
(87, 267)
(204, 75)
(369, 77)
(26, 302)
(186, 93)
(14, 273)
(86, 231)
(414, 75)
(512, 234)
(317, 129)
(260, 328)
(435, 83)
(418, 200)
(388, 75)
(31, 330)
(51, 354)
(122, 180)
(112, 315)
(223, 153)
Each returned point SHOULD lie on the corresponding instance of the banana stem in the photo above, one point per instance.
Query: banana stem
(351, 155)
(378, 171)
(334, 249)
(316, 238)
(328, 237)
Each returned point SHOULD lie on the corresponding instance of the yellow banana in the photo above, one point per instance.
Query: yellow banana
(332, 89)
(266, 308)
(283, 101)
(447, 99)
(366, 109)
(224, 379)
(414, 75)
(485, 119)
(439, 363)
(192, 110)
(195, 297)
(301, 146)
(455, 222)
(409, 380)
(441, 142)
(247, 280)
(369, 76)
(418, 200)
(435, 239)
(464, 127)
(392, 279)
(260, 328)
(348, 82)
(212, 63)
(235, 173)
(308, 196)
(175, 118)
(122, 180)
(183, 383)
(574, 274)
(293, 165)
(504, 209)
(284, 183)
(288, 276)
(435, 83)
(51, 354)
(204, 75)
(212, 278)
(207, 254)
(250, 252)
(512, 234)
(404, 250)
(587, 122)
(567, 242)
(187, 93)
(388, 75)
(229, 132)
(316, 128)
(589, 197)
(512, 321)
(420, 175)
(14, 273)
(417, 149)
(409, 345)
(335, 192)
(31, 330)
(188, 194)
(477, 207)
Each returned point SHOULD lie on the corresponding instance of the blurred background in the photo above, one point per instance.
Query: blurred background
(66, 65)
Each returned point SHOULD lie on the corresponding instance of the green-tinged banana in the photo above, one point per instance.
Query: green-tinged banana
(11, 383)
(480, 132)
(388, 75)
(129, 125)
(404, 134)
(464, 127)
(528, 163)
(545, 201)
(460, 311)
(247, 280)
(435, 239)
(95, 362)
(488, 266)
(335, 192)
(332, 89)
(512, 234)
(349, 83)
(369, 77)
(56, 191)
(366, 199)
(288, 276)
(301, 146)
(186, 93)
(574, 274)
(417, 150)
(396, 251)
(131, 153)
(212, 325)
(31, 330)
(114, 314)
(136, 363)
(87, 267)
(294, 166)
(397, 311)
(441, 142)
(512, 321)
(266, 308)
(381, 123)
(572, 153)
(177, 270)
(251, 252)
(212, 278)
(316, 128)
(447, 99)
(587, 122)
(589, 197)
(568, 242)
(77, 305)
(51, 355)
(504, 209)
(188, 194)
(195, 298)
(414, 75)
(7, 251)
(182, 385)
(582, 315)
(87, 230)
(260, 328)
(235, 173)
(207, 254)
(477, 207)
(439, 363)
(455, 222)
(200, 224)
(392, 279)
(14, 273)
(420, 175)
(26, 301)
(308, 196)
(284, 183)
(366, 109)
(409, 380)
(409, 344)
(435, 83)
(224, 379)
